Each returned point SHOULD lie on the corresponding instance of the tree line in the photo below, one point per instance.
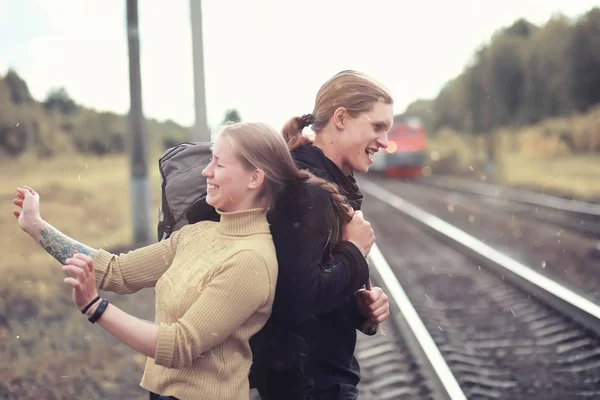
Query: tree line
(524, 74)
(58, 124)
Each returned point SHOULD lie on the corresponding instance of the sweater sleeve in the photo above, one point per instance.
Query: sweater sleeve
(136, 270)
(236, 291)
(311, 282)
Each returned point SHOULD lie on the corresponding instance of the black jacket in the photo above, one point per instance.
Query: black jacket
(315, 316)
(336, 361)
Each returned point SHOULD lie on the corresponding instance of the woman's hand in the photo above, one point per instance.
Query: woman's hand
(28, 200)
(83, 279)
(140, 335)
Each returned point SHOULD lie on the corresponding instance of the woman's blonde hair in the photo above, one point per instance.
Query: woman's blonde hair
(260, 146)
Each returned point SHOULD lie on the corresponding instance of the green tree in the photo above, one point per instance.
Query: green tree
(232, 115)
(546, 86)
(520, 27)
(450, 107)
(19, 92)
(478, 94)
(506, 78)
(422, 109)
(59, 99)
(584, 61)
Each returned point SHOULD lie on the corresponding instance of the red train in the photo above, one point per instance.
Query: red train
(405, 155)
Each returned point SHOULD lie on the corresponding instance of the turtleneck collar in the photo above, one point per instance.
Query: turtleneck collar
(244, 222)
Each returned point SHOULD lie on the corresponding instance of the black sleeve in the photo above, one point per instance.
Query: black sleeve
(311, 282)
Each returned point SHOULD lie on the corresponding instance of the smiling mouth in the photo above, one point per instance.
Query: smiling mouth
(370, 152)
(210, 187)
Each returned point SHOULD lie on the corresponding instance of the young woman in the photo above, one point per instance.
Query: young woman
(351, 118)
(215, 281)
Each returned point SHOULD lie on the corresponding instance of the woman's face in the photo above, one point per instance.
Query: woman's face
(363, 136)
(231, 185)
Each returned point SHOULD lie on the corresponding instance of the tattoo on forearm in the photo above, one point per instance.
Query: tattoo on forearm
(61, 247)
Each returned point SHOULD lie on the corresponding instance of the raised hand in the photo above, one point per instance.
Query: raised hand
(57, 244)
(28, 214)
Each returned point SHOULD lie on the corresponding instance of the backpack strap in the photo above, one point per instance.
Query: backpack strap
(166, 211)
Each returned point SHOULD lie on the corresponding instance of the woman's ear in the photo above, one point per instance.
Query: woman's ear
(256, 179)
(340, 116)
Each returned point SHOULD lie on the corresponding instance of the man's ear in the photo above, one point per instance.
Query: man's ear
(340, 116)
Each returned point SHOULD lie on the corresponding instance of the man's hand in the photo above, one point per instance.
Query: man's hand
(373, 304)
(359, 232)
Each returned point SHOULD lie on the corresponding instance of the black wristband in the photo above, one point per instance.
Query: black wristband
(91, 303)
(98, 311)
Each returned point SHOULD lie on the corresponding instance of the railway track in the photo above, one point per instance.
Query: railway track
(504, 332)
(574, 215)
(467, 321)
(389, 369)
(570, 257)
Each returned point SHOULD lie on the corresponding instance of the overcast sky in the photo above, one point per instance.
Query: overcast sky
(266, 58)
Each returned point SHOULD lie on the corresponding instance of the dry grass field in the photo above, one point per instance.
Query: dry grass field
(48, 349)
(557, 156)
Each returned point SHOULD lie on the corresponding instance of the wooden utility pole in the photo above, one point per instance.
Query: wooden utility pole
(200, 130)
(140, 187)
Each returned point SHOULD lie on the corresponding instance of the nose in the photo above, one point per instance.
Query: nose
(382, 140)
(207, 172)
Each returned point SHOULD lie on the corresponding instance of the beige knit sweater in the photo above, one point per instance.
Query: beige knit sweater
(215, 284)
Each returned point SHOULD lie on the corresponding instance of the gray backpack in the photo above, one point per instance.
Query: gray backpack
(183, 187)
